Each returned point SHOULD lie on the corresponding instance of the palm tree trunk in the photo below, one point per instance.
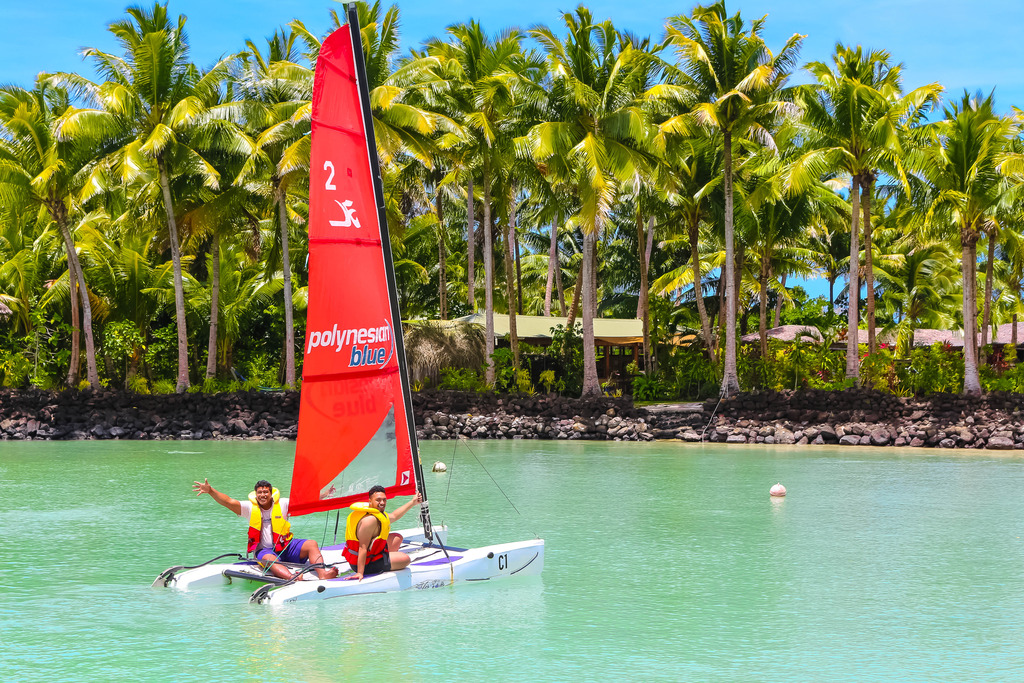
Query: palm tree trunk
(972, 383)
(1013, 338)
(58, 213)
(488, 280)
(986, 316)
(853, 315)
(831, 294)
(649, 350)
(730, 376)
(75, 362)
(510, 289)
(558, 286)
(552, 265)
(698, 290)
(442, 262)
(576, 293)
(211, 348)
(763, 306)
(591, 385)
(289, 316)
(519, 267)
(179, 288)
(470, 245)
(643, 300)
(778, 302)
(869, 273)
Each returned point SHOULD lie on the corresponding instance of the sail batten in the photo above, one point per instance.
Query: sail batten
(355, 421)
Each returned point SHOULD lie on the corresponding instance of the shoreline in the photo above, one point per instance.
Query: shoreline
(857, 417)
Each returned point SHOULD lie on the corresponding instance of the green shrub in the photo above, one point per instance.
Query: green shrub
(504, 371)
(164, 386)
(138, 384)
(261, 371)
(938, 368)
(162, 352)
(523, 383)
(461, 379)
(567, 348)
(14, 368)
(646, 388)
(547, 378)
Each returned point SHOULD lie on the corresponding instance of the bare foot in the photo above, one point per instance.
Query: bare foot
(331, 573)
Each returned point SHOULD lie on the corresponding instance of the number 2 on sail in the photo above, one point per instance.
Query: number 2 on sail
(330, 185)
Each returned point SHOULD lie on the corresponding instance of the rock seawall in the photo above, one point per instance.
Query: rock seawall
(848, 418)
(865, 418)
(70, 415)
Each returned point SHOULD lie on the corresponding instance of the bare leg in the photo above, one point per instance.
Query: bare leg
(394, 542)
(399, 561)
(311, 553)
(277, 569)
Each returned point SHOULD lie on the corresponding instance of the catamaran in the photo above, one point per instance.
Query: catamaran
(356, 424)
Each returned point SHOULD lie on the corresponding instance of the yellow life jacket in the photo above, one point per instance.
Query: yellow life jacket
(281, 530)
(377, 546)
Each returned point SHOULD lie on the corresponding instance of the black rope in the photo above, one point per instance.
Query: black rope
(499, 487)
(447, 490)
(219, 557)
(337, 518)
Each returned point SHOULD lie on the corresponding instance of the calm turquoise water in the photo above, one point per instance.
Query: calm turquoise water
(664, 562)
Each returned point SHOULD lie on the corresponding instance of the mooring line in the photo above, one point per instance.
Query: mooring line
(720, 397)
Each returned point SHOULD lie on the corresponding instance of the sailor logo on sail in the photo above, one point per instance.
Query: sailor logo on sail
(350, 215)
(365, 346)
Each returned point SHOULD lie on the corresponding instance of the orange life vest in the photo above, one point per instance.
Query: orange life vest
(280, 529)
(379, 544)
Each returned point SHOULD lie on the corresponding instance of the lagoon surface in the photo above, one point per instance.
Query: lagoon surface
(664, 561)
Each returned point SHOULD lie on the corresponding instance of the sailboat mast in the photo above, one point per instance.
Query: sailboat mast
(389, 264)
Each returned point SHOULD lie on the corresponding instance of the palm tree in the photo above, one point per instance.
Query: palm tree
(736, 79)
(35, 164)
(158, 105)
(595, 141)
(695, 171)
(962, 167)
(481, 78)
(276, 91)
(854, 119)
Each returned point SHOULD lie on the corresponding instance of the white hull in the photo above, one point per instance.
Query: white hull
(213, 574)
(430, 568)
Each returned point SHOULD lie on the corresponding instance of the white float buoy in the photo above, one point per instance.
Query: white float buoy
(441, 467)
(778, 491)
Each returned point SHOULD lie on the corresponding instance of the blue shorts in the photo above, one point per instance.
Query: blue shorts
(291, 553)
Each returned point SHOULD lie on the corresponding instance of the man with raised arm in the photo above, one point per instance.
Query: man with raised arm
(270, 535)
(370, 547)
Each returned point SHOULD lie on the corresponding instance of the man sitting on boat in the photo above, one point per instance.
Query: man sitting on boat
(370, 547)
(270, 535)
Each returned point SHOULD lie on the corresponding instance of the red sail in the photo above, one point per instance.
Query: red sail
(354, 427)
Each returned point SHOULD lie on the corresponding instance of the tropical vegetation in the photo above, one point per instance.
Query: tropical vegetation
(153, 215)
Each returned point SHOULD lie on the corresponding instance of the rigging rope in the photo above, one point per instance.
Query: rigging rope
(720, 397)
(498, 486)
(449, 488)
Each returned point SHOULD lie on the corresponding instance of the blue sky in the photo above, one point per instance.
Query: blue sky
(959, 44)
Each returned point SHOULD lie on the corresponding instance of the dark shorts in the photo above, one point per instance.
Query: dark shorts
(379, 566)
(291, 553)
